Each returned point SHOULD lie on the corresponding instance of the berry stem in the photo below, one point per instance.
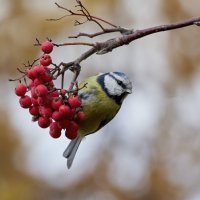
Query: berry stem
(18, 69)
(76, 68)
(62, 80)
(17, 79)
(38, 42)
(78, 88)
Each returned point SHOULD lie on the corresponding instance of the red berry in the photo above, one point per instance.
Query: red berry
(34, 110)
(44, 101)
(81, 115)
(45, 60)
(31, 84)
(56, 115)
(51, 84)
(40, 70)
(47, 47)
(71, 134)
(63, 123)
(74, 126)
(55, 130)
(65, 110)
(41, 90)
(34, 101)
(47, 77)
(38, 81)
(25, 102)
(20, 89)
(44, 122)
(72, 130)
(45, 112)
(33, 94)
(74, 101)
(41, 101)
(63, 91)
(56, 103)
(72, 113)
(54, 94)
(31, 73)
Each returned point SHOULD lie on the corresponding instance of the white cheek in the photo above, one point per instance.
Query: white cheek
(112, 86)
(126, 81)
(117, 91)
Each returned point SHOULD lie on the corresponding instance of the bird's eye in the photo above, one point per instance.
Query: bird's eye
(120, 83)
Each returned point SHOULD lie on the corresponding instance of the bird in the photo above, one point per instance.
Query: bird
(101, 100)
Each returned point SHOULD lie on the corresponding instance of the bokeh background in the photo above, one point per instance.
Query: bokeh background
(151, 150)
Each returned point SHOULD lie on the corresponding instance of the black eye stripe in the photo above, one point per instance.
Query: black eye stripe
(116, 98)
(118, 81)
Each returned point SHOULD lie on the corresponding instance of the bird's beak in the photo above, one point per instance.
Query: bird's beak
(129, 91)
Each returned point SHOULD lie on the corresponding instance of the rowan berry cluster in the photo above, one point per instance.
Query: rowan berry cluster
(55, 108)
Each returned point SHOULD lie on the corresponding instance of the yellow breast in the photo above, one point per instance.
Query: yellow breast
(99, 109)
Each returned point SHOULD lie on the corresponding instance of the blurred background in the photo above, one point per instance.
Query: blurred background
(150, 151)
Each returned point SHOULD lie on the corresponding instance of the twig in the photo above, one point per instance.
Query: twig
(37, 42)
(74, 43)
(17, 79)
(19, 70)
(30, 64)
(72, 13)
(197, 23)
(87, 14)
(76, 69)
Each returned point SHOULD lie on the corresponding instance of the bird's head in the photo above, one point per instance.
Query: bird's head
(116, 85)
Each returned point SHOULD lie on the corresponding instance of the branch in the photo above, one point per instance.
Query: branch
(121, 30)
(73, 65)
(109, 45)
(126, 39)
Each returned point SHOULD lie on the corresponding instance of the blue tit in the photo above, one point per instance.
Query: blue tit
(101, 99)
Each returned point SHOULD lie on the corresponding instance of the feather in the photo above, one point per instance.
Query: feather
(71, 150)
(101, 100)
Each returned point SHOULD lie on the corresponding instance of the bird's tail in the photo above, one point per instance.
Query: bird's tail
(71, 150)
